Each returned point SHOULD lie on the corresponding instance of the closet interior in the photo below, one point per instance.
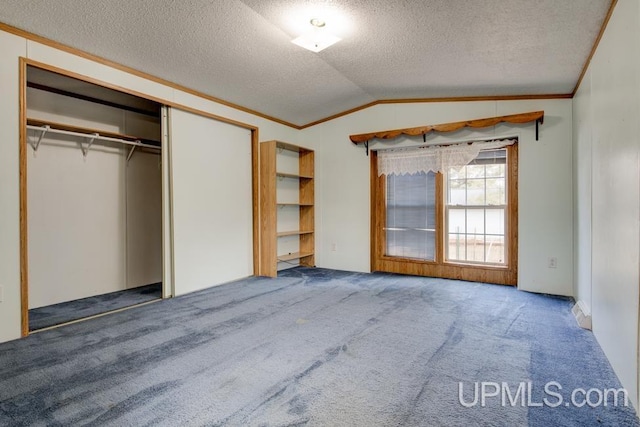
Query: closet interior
(94, 199)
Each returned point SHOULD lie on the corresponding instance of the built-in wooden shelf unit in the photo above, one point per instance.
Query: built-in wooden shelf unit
(270, 176)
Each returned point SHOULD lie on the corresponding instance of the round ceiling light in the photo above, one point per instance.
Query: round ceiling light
(318, 23)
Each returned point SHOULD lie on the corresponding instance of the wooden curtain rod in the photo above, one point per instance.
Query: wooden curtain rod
(537, 116)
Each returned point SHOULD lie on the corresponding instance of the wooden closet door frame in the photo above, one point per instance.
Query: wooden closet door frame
(24, 247)
(24, 226)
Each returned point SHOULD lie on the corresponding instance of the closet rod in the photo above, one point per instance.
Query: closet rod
(95, 136)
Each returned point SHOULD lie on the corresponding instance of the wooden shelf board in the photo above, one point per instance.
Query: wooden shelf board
(292, 233)
(291, 147)
(293, 256)
(292, 175)
(71, 128)
(295, 204)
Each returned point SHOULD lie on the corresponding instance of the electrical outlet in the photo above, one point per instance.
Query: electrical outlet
(334, 247)
(552, 262)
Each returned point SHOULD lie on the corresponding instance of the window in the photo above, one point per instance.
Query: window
(459, 224)
(475, 210)
(411, 216)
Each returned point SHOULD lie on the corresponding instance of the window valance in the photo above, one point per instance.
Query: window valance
(537, 116)
(434, 158)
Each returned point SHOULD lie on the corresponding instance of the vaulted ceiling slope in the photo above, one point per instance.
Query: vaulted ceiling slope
(240, 50)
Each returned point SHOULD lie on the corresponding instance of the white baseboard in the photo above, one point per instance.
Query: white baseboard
(582, 315)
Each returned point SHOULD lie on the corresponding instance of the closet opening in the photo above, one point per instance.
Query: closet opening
(92, 201)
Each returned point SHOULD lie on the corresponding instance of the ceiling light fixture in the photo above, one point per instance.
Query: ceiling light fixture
(317, 38)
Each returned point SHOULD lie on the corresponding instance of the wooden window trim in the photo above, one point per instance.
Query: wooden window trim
(503, 275)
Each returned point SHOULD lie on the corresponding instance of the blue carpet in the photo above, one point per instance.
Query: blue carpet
(57, 314)
(313, 347)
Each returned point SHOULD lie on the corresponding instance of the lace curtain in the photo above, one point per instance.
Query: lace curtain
(434, 158)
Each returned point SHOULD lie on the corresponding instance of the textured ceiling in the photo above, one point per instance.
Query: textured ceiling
(240, 51)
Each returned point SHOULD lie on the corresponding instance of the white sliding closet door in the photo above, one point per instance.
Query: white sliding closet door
(212, 201)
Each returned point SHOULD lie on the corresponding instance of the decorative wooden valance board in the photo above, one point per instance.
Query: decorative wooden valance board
(364, 138)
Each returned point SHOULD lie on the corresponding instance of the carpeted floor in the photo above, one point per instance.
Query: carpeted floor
(313, 347)
(57, 314)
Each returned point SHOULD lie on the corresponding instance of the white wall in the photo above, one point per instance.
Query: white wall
(582, 174)
(94, 222)
(545, 191)
(287, 217)
(144, 219)
(607, 147)
(76, 222)
(212, 202)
